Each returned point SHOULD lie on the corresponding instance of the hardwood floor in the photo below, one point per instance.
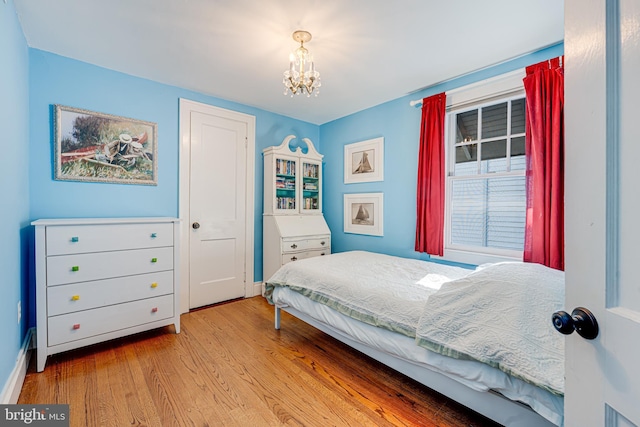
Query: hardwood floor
(230, 367)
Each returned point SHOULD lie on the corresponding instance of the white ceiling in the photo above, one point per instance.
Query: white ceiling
(367, 51)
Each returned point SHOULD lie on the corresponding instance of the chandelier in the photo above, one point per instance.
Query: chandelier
(301, 76)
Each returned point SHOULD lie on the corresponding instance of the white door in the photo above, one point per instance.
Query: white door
(602, 112)
(217, 208)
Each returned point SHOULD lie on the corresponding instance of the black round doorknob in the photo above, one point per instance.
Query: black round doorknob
(581, 320)
(195, 225)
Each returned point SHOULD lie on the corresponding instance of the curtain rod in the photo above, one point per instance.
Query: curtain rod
(418, 102)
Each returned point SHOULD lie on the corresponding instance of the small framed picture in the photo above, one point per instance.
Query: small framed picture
(363, 161)
(363, 213)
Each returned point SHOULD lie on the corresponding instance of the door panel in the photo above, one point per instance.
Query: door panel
(602, 57)
(217, 205)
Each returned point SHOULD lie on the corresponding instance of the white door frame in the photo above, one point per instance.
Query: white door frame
(186, 107)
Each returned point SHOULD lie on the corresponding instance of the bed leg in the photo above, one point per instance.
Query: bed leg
(277, 317)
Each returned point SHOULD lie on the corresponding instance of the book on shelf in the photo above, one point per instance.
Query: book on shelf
(310, 170)
(286, 203)
(285, 167)
(310, 203)
(310, 186)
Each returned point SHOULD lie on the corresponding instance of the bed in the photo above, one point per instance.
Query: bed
(481, 337)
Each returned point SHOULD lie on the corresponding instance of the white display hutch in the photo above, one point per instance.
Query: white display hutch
(293, 225)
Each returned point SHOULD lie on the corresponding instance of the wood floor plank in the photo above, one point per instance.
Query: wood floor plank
(251, 370)
(230, 367)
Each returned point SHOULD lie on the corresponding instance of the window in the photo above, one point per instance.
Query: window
(486, 198)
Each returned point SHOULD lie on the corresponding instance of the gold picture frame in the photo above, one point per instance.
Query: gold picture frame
(98, 147)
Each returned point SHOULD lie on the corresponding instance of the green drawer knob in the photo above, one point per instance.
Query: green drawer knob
(75, 268)
(154, 259)
(74, 240)
(154, 235)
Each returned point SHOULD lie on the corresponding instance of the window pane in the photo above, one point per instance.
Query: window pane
(517, 116)
(494, 121)
(466, 160)
(489, 212)
(467, 126)
(494, 149)
(494, 157)
(517, 154)
(468, 218)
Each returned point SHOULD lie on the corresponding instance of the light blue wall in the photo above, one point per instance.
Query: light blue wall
(14, 186)
(58, 80)
(399, 124)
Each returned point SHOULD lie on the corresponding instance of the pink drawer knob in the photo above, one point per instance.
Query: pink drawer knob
(76, 326)
(154, 310)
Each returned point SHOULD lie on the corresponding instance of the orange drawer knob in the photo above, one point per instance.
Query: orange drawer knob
(75, 298)
(76, 326)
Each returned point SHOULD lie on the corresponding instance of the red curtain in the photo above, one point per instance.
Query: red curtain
(430, 221)
(544, 149)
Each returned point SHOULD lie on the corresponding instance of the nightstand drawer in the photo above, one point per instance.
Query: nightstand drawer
(293, 245)
(99, 293)
(289, 257)
(89, 323)
(78, 239)
(103, 265)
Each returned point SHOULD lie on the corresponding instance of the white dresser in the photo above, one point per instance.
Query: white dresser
(99, 279)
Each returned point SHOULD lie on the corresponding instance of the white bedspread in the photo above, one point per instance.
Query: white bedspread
(501, 315)
(393, 300)
(475, 375)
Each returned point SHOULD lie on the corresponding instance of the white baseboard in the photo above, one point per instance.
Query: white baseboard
(257, 289)
(13, 386)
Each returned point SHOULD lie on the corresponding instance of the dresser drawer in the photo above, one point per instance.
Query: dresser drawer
(99, 293)
(289, 257)
(294, 245)
(77, 239)
(65, 269)
(89, 323)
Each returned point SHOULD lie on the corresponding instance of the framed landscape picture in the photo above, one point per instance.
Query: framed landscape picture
(98, 147)
(363, 213)
(363, 161)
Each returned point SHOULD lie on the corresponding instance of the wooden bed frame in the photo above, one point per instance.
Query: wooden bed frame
(490, 404)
